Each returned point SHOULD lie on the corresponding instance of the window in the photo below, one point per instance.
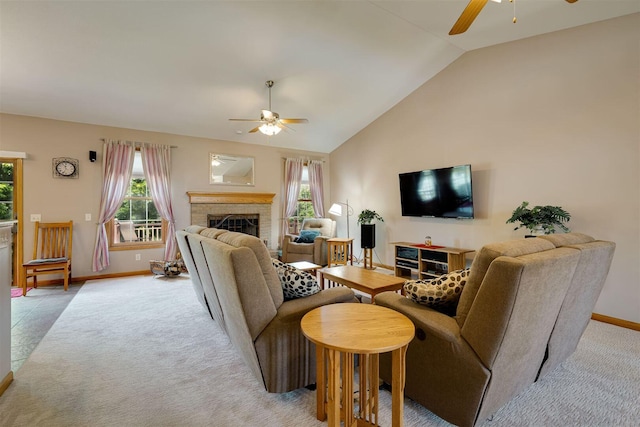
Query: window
(6, 191)
(304, 208)
(137, 222)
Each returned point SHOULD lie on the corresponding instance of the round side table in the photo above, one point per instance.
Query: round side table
(340, 331)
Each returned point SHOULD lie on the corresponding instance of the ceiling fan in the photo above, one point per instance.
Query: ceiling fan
(271, 123)
(470, 12)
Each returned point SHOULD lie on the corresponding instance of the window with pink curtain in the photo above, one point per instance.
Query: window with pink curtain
(156, 162)
(316, 187)
(118, 162)
(292, 178)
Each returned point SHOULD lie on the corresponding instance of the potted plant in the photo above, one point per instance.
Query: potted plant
(540, 219)
(367, 229)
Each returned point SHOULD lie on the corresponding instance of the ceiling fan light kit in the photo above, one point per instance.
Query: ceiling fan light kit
(271, 123)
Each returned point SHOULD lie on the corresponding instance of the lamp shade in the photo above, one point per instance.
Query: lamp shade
(336, 209)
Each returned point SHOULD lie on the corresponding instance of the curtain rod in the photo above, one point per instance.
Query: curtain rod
(306, 159)
(138, 143)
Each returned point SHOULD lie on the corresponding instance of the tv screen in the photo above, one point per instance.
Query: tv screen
(438, 193)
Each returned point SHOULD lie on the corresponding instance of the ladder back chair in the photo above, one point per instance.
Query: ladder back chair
(51, 253)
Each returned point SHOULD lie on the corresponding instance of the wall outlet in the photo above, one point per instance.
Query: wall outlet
(35, 217)
(137, 257)
(87, 217)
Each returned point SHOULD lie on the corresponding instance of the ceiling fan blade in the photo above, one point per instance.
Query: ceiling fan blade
(571, 1)
(289, 121)
(255, 129)
(245, 120)
(467, 17)
(283, 126)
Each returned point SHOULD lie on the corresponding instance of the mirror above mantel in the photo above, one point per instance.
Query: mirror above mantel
(229, 169)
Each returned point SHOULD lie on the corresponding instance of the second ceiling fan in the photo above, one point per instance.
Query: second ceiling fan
(270, 121)
(469, 15)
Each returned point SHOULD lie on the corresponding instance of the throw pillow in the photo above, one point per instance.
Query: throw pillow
(440, 292)
(295, 283)
(307, 236)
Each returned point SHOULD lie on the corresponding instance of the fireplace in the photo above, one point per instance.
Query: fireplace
(242, 223)
(254, 207)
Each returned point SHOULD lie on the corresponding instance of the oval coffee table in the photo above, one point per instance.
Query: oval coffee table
(345, 330)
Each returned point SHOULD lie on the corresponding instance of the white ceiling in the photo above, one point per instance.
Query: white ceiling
(185, 67)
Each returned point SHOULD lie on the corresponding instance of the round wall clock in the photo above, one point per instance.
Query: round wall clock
(65, 167)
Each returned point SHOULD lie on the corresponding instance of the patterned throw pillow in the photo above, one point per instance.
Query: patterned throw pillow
(440, 292)
(295, 283)
(307, 236)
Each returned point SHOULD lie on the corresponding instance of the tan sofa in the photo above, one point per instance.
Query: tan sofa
(316, 252)
(235, 280)
(578, 304)
(507, 325)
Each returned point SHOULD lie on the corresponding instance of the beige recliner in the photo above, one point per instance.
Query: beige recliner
(463, 368)
(315, 252)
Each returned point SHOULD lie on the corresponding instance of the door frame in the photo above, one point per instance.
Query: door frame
(18, 215)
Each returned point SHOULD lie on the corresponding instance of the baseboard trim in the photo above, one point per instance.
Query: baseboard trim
(75, 279)
(615, 321)
(6, 381)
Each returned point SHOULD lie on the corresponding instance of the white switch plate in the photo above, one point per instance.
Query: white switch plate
(137, 257)
(35, 217)
(87, 217)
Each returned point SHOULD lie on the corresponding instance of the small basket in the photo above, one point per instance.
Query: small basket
(167, 268)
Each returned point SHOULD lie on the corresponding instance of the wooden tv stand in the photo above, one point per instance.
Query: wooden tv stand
(418, 261)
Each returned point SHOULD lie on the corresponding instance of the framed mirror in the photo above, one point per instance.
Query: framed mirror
(228, 169)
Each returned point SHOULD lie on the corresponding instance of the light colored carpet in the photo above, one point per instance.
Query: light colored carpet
(141, 351)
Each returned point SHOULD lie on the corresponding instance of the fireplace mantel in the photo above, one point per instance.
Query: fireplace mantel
(230, 198)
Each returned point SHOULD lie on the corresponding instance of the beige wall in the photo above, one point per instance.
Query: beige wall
(553, 119)
(64, 199)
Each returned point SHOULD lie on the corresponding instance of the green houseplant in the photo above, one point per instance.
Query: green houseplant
(540, 218)
(367, 216)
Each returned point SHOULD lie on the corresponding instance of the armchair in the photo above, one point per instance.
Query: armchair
(315, 252)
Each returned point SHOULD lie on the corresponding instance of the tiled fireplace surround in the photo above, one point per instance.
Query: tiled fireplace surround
(203, 204)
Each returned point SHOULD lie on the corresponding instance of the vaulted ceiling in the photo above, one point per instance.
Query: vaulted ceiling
(186, 67)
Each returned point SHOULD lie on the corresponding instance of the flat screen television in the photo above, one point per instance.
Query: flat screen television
(437, 193)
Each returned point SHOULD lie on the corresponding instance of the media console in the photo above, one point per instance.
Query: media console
(418, 261)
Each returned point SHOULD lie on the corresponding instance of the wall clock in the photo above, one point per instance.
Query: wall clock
(65, 167)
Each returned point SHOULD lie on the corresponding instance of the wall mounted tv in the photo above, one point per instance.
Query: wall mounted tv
(437, 193)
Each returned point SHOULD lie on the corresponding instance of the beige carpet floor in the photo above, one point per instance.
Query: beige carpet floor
(141, 351)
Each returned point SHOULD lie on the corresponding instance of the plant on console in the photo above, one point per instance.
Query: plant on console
(545, 218)
(367, 216)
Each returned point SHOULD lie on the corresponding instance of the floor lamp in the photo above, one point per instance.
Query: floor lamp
(336, 209)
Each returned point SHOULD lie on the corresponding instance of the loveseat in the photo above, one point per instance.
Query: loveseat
(523, 309)
(236, 282)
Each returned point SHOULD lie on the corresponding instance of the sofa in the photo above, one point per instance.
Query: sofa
(237, 284)
(315, 251)
(522, 301)
(578, 304)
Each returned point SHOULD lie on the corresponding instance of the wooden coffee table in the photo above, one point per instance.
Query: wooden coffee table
(366, 330)
(367, 281)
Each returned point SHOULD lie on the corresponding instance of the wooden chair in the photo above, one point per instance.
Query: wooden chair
(51, 253)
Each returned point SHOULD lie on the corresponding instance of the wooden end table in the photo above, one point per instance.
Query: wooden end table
(368, 330)
(305, 266)
(367, 281)
(340, 251)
